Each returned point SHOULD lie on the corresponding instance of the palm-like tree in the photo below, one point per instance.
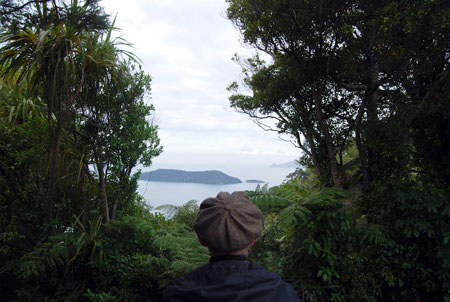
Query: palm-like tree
(56, 62)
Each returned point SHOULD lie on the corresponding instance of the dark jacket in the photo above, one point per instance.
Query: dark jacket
(230, 278)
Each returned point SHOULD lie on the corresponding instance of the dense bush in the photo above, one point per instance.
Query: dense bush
(413, 260)
(131, 259)
(334, 251)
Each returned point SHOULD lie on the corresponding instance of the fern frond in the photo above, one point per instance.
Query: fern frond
(290, 216)
(374, 233)
(168, 209)
(276, 198)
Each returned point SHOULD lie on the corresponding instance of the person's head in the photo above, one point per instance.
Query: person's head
(228, 224)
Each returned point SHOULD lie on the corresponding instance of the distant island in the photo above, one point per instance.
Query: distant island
(291, 164)
(255, 181)
(212, 177)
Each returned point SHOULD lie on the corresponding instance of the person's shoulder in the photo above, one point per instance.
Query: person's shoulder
(268, 279)
(262, 271)
(189, 276)
(239, 277)
(179, 288)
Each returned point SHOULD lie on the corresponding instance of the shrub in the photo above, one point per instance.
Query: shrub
(390, 245)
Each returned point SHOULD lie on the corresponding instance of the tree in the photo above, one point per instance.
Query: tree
(23, 142)
(56, 62)
(114, 124)
(19, 14)
(344, 72)
(362, 87)
(95, 106)
(75, 121)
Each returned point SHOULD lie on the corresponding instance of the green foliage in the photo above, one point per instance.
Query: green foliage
(130, 258)
(148, 252)
(389, 245)
(88, 242)
(276, 198)
(35, 273)
(87, 15)
(363, 88)
(69, 101)
(100, 297)
(368, 74)
(184, 214)
(412, 253)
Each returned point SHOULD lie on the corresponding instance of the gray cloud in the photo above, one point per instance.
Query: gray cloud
(186, 46)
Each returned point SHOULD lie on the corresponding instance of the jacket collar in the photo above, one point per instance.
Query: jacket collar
(226, 257)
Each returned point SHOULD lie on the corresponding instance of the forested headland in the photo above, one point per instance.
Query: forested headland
(181, 176)
(361, 87)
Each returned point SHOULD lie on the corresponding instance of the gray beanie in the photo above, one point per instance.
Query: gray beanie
(228, 223)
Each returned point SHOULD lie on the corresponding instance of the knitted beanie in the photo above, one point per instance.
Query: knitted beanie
(228, 223)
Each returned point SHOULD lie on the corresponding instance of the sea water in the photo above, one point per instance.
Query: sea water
(161, 193)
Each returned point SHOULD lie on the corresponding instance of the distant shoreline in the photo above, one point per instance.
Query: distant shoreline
(181, 176)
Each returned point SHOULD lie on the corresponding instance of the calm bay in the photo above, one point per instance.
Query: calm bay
(160, 193)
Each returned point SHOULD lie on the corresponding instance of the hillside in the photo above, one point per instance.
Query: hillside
(201, 177)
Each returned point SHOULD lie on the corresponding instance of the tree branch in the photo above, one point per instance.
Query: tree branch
(413, 115)
(18, 8)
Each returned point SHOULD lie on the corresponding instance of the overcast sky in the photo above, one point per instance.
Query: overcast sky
(186, 46)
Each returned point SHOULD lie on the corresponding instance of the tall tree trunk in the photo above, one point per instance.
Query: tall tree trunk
(83, 193)
(361, 150)
(114, 208)
(53, 172)
(308, 133)
(337, 181)
(102, 186)
(313, 151)
(371, 100)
